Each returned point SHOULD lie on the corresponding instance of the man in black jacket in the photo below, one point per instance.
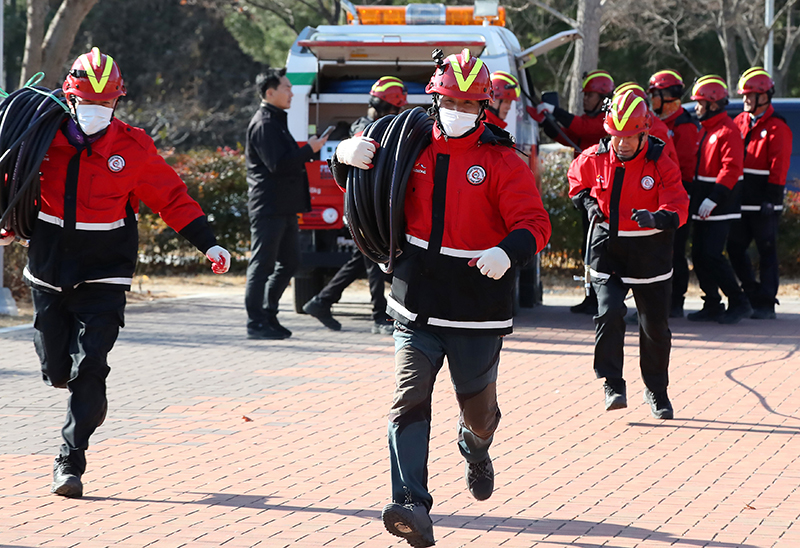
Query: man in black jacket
(277, 191)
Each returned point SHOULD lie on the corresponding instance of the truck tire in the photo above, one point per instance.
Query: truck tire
(306, 286)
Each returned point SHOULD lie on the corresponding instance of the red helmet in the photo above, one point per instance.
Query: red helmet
(598, 81)
(710, 88)
(664, 79)
(627, 116)
(755, 80)
(94, 76)
(390, 89)
(505, 86)
(631, 86)
(462, 76)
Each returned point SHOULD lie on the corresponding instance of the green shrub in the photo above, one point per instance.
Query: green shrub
(14, 258)
(565, 241)
(217, 180)
(789, 236)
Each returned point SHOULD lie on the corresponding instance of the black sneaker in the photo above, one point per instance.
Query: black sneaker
(660, 406)
(480, 478)
(264, 331)
(588, 306)
(274, 324)
(709, 313)
(737, 312)
(615, 397)
(409, 521)
(763, 314)
(66, 478)
(315, 307)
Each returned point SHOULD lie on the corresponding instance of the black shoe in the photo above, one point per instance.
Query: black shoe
(264, 331)
(632, 318)
(615, 397)
(763, 314)
(588, 306)
(66, 478)
(480, 478)
(676, 311)
(737, 312)
(322, 312)
(709, 313)
(660, 406)
(274, 324)
(383, 328)
(409, 521)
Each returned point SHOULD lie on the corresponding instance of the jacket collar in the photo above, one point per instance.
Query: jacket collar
(714, 121)
(450, 145)
(101, 145)
(639, 159)
(272, 110)
(764, 116)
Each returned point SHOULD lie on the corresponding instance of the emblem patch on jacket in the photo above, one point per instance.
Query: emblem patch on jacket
(476, 175)
(648, 182)
(420, 168)
(116, 163)
(712, 139)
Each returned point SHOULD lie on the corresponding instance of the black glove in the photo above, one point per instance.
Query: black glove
(593, 210)
(767, 209)
(644, 218)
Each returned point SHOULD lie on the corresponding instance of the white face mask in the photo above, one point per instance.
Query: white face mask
(456, 123)
(93, 118)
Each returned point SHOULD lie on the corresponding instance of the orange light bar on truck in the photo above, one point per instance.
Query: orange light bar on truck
(423, 14)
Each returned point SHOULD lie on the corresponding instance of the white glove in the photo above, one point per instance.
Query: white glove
(6, 237)
(706, 208)
(221, 259)
(545, 106)
(492, 263)
(357, 152)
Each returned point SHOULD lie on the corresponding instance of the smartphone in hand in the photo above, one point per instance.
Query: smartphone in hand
(327, 132)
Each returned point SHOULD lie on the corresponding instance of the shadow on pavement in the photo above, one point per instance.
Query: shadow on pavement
(545, 527)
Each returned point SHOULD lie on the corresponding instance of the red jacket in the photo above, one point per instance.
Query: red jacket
(685, 134)
(766, 160)
(661, 131)
(720, 164)
(649, 181)
(86, 230)
(464, 196)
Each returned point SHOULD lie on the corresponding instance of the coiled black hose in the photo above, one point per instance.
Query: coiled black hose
(374, 198)
(29, 120)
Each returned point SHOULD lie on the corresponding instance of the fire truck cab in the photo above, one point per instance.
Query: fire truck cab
(332, 69)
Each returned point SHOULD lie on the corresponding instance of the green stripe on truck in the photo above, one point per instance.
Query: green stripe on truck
(301, 78)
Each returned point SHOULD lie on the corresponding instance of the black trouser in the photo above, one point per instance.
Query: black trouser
(585, 223)
(655, 338)
(714, 271)
(75, 331)
(764, 230)
(680, 266)
(274, 259)
(350, 272)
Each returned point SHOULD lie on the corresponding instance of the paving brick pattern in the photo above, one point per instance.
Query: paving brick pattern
(215, 440)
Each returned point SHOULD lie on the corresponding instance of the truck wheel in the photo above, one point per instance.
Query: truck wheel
(306, 286)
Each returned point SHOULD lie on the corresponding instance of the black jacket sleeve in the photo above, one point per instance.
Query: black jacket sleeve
(520, 246)
(199, 234)
(273, 154)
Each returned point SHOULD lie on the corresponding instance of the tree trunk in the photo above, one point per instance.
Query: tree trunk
(49, 52)
(587, 50)
(726, 34)
(32, 57)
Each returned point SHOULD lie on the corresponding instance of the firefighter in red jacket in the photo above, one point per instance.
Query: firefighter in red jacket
(506, 90)
(472, 214)
(84, 246)
(633, 190)
(584, 130)
(666, 88)
(716, 198)
(768, 150)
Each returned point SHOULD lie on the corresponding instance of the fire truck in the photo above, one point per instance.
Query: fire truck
(332, 68)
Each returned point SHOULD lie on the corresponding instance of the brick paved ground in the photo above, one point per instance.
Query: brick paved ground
(177, 464)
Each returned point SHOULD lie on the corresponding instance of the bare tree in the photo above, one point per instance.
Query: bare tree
(47, 48)
(587, 49)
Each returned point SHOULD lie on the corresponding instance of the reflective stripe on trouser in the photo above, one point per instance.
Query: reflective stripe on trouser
(75, 331)
(763, 229)
(655, 338)
(419, 355)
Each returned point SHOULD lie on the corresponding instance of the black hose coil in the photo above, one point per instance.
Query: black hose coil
(374, 198)
(29, 120)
